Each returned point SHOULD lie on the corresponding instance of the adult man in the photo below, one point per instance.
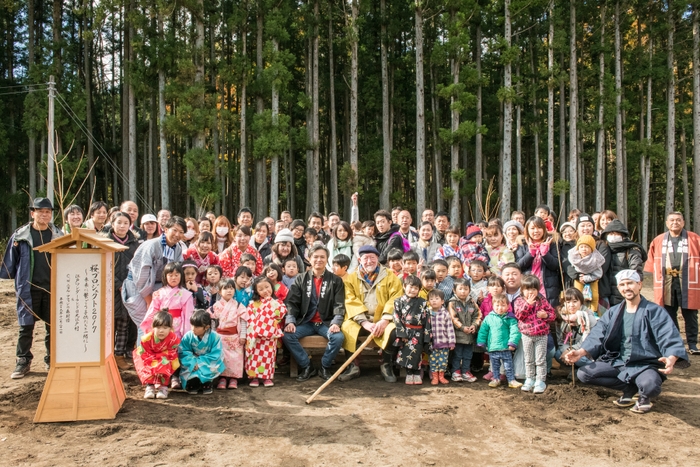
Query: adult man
(369, 304)
(673, 258)
(511, 275)
(395, 211)
(315, 305)
(427, 216)
(286, 216)
(32, 274)
(316, 223)
(425, 246)
(333, 221)
(163, 216)
(635, 345)
(132, 209)
(442, 223)
(146, 268)
(245, 217)
(385, 239)
(405, 229)
(518, 216)
(270, 222)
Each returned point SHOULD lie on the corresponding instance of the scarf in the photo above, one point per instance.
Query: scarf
(369, 277)
(536, 250)
(168, 251)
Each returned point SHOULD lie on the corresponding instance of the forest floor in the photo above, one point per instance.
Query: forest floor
(362, 422)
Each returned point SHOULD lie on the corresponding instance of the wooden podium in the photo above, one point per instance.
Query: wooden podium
(84, 381)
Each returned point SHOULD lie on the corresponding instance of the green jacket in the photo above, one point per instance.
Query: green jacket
(498, 332)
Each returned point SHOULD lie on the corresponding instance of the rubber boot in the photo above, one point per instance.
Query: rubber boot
(441, 377)
(435, 379)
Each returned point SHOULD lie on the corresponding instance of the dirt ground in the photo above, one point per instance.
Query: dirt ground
(363, 422)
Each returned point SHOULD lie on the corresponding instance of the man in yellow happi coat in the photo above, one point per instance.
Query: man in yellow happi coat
(369, 308)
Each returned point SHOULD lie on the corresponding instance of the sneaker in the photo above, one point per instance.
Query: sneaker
(457, 376)
(504, 378)
(468, 377)
(514, 384)
(254, 383)
(233, 383)
(642, 406)
(162, 392)
(193, 392)
(693, 350)
(529, 384)
(268, 383)
(488, 376)
(150, 392)
(539, 387)
(175, 383)
(222, 383)
(410, 379)
(351, 372)
(206, 388)
(22, 368)
(417, 380)
(495, 383)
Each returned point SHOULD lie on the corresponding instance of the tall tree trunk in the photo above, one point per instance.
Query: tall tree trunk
(87, 59)
(696, 119)
(30, 63)
(620, 173)
(550, 109)
(518, 149)
(671, 129)
(243, 106)
(507, 124)
(124, 69)
(646, 160)
(260, 201)
(385, 198)
(600, 134)
(684, 166)
(478, 147)
(573, 110)
(454, 147)
(437, 148)
(420, 113)
(275, 162)
(334, 138)
(198, 140)
(215, 120)
(562, 136)
(163, 142)
(355, 11)
(536, 131)
(316, 185)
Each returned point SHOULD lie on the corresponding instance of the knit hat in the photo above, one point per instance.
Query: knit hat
(515, 224)
(586, 240)
(473, 230)
(583, 217)
(284, 235)
(567, 224)
(367, 249)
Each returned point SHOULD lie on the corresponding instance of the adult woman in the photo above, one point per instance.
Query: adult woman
(97, 216)
(260, 241)
(149, 224)
(192, 231)
(513, 231)
(224, 234)
(586, 226)
(499, 253)
(230, 258)
(625, 254)
(539, 256)
(124, 328)
(605, 218)
(340, 243)
(284, 249)
(72, 218)
(567, 242)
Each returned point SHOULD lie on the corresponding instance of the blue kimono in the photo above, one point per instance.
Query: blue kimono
(206, 353)
(244, 296)
(653, 336)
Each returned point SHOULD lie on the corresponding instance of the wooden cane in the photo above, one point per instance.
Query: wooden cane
(341, 369)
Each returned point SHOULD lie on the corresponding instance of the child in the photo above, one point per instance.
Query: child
(232, 319)
(201, 355)
(274, 273)
(494, 286)
(534, 313)
(291, 270)
(265, 314)
(203, 256)
(248, 261)
(499, 333)
(214, 276)
(410, 263)
(477, 275)
(155, 359)
(586, 268)
(443, 281)
(454, 267)
(395, 262)
(310, 237)
(451, 246)
(471, 248)
(341, 263)
(172, 297)
(466, 318)
(200, 297)
(427, 279)
(412, 329)
(575, 325)
(442, 336)
(243, 279)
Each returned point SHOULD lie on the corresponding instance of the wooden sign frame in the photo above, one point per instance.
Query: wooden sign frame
(90, 390)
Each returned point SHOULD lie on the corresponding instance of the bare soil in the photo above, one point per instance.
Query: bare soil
(362, 422)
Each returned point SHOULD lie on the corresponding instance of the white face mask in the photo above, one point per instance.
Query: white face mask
(189, 235)
(221, 231)
(614, 238)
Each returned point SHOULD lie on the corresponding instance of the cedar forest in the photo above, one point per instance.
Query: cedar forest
(475, 107)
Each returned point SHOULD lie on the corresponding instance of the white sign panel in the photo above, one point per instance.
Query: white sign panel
(78, 307)
(109, 304)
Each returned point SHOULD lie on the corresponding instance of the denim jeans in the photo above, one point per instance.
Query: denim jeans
(462, 357)
(291, 340)
(507, 358)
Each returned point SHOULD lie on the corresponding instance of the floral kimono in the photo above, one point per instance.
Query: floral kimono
(230, 259)
(244, 296)
(264, 318)
(201, 358)
(155, 361)
(232, 318)
(209, 259)
(179, 304)
(412, 323)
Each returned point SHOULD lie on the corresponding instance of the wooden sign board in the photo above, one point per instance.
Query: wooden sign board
(84, 382)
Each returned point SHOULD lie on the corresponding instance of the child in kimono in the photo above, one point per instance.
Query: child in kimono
(274, 273)
(155, 359)
(214, 276)
(265, 314)
(201, 355)
(466, 318)
(412, 329)
(201, 253)
(200, 298)
(442, 336)
(244, 291)
(231, 318)
(172, 297)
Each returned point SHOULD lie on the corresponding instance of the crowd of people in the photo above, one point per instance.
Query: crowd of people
(204, 303)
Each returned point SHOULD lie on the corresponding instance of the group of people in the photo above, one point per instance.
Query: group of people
(204, 303)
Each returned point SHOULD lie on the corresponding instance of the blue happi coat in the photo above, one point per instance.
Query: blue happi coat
(206, 354)
(653, 336)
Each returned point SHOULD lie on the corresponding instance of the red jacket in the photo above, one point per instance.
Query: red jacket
(690, 269)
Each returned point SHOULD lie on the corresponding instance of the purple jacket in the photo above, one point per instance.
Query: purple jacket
(443, 331)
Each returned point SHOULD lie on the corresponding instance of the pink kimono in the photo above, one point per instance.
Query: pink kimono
(180, 305)
(233, 321)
